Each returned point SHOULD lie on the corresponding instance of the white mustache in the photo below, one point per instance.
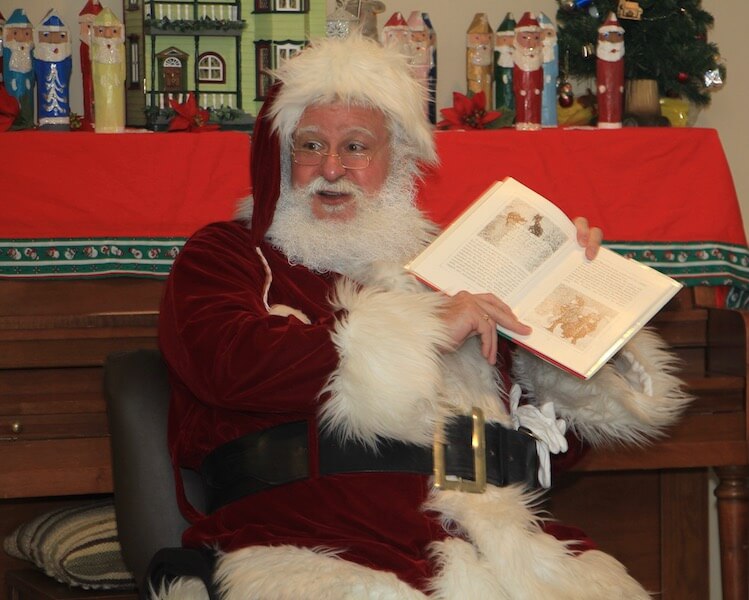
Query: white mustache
(342, 186)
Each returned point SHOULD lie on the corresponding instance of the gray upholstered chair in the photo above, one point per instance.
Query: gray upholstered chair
(149, 522)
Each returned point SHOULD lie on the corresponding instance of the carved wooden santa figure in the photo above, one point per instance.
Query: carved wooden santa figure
(528, 73)
(610, 73)
(503, 63)
(551, 71)
(2, 24)
(18, 74)
(419, 39)
(86, 23)
(395, 34)
(52, 67)
(479, 55)
(109, 73)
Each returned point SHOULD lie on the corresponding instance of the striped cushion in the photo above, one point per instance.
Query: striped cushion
(75, 545)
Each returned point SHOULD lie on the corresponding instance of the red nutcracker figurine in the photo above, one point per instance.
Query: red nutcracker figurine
(528, 73)
(86, 21)
(610, 73)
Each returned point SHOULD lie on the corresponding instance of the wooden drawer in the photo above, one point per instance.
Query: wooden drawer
(51, 403)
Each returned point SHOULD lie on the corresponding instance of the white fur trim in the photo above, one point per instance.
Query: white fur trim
(290, 573)
(631, 399)
(511, 557)
(395, 378)
(390, 370)
(359, 71)
(182, 588)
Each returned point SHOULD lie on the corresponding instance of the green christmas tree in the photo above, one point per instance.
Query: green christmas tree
(667, 43)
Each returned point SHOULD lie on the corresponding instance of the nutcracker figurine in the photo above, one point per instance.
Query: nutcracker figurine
(610, 73)
(551, 71)
(18, 74)
(527, 74)
(503, 63)
(52, 67)
(86, 24)
(432, 79)
(395, 33)
(419, 40)
(2, 24)
(479, 55)
(108, 73)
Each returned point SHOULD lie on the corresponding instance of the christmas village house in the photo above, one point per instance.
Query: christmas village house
(219, 50)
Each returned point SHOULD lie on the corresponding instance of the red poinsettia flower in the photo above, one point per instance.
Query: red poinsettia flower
(467, 113)
(190, 117)
(9, 109)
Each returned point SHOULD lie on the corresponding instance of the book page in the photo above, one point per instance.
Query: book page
(590, 309)
(510, 234)
(517, 245)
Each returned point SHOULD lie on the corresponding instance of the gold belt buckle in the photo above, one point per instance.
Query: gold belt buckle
(478, 443)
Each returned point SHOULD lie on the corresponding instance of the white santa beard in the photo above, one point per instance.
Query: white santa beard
(527, 60)
(610, 51)
(505, 56)
(386, 227)
(46, 51)
(108, 56)
(20, 56)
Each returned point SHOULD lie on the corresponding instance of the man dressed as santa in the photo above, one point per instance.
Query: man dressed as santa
(313, 378)
(528, 73)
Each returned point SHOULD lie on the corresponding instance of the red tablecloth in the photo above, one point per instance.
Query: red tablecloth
(122, 204)
(639, 184)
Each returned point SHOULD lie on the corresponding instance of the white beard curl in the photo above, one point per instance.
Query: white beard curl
(46, 51)
(20, 56)
(386, 227)
(108, 51)
(609, 51)
(528, 60)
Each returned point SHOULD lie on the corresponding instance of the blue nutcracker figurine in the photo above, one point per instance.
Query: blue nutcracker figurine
(52, 66)
(551, 71)
(18, 75)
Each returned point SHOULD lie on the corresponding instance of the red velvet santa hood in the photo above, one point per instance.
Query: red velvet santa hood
(354, 70)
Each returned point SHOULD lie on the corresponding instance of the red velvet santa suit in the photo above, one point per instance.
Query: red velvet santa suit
(252, 341)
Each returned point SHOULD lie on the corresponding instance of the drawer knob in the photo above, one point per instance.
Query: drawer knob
(16, 427)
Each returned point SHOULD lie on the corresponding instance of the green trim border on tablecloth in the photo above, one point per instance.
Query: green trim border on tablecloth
(88, 257)
(692, 263)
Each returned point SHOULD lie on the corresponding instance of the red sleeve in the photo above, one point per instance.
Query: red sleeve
(218, 338)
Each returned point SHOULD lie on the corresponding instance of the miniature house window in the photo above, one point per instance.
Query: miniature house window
(287, 50)
(262, 6)
(289, 5)
(211, 68)
(134, 62)
(263, 58)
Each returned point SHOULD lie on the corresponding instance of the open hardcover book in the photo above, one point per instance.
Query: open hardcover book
(516, 244)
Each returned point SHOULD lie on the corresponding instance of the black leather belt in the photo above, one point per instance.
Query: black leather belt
(265, 459)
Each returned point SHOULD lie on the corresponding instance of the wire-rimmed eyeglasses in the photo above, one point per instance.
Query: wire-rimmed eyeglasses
(314, 158)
